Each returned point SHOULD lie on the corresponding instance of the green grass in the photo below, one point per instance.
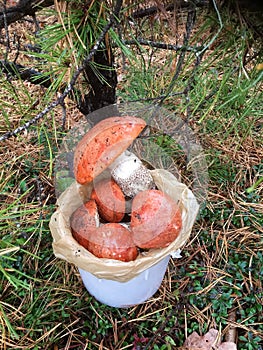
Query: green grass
(43, 303)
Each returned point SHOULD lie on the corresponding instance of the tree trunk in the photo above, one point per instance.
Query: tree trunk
(102, 79)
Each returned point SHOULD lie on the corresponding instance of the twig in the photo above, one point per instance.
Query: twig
(163, 46)
(22, 9)
(64, 114)
(36, 23)
(231, 333)
(69, 88)
(170, 7)
(17, 41)
(6, 32)
(189, 25)
(29, 74)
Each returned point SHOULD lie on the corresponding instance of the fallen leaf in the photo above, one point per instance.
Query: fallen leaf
(229, 345)
(209, 341)
(195, 341)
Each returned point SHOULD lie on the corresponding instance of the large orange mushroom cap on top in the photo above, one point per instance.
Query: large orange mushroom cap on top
(102, 144)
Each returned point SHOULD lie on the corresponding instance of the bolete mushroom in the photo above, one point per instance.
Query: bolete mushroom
(112, 241)
(110, 200)
(84, 220)
(156, 219)
(102, 144)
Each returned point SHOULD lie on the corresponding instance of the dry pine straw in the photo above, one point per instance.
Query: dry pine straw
(244, 155)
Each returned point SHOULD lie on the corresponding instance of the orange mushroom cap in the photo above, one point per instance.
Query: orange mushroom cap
(110, 200)
(112, 241)
(156, 219)
(102, 144)
(84, 220)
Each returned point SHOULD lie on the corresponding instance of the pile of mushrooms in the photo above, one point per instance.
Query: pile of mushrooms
(125, 212)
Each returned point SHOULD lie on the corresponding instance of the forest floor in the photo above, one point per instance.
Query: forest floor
(218, 281)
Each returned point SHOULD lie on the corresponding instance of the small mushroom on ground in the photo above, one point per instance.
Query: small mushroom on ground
(156, 219)
(110, 200)
(112, 241)
(130, 174)
(102, 144)
(84, 220)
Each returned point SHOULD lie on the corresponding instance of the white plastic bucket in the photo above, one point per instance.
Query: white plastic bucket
(126, 294)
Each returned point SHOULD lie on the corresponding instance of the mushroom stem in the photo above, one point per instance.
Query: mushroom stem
(130, 174)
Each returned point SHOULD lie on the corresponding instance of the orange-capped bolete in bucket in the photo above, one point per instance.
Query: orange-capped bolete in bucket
(156, 219)
(84, 220)
(112, 241)
(102, 144)
(110, 200)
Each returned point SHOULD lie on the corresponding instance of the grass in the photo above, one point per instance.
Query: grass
(218, 281)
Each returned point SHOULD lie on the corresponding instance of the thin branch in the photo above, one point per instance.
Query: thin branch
(163, 46)
(6, 32)
(64, 114)
(113, 18)
(189, 26)
(18, 46)
(22, 9)
(21, 72)
(150, 11)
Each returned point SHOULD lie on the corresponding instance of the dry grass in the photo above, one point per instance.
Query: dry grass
(217, 283)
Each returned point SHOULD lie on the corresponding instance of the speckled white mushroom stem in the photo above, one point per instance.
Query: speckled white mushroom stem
(130, 174)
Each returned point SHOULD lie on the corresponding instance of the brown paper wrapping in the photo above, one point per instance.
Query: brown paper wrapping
(65, 247)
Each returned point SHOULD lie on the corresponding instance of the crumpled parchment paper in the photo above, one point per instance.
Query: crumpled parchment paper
(67, 248)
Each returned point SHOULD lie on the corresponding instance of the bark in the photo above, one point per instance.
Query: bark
(103, 83)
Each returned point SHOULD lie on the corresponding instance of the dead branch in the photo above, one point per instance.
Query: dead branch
(60, 101)
(188, 29)
(162, 46)
(150, 11)
(20, 72)
(23, 8)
